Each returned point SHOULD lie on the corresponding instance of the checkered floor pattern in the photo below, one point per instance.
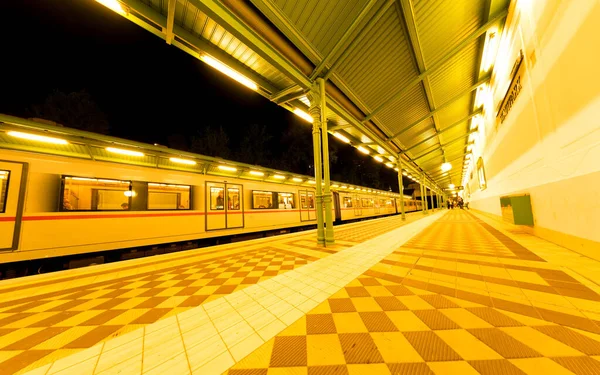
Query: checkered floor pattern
(58, 324)
(459, 298)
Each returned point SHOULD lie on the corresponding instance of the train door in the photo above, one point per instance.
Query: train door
(357, 205)
(307, 205)
(376, 205)
(336, 206)
(234, 208)
(13, 177)
(224, 206)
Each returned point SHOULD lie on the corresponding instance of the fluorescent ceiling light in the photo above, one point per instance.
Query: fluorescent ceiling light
(451, 186)
(227, 168)
(378, 158)
(312, 182)
(182, 161)
(363, 150)
(39, 138)
(389, 165)
(279, 177)
(113, 5)
(305, 116)
(257, 173)
(396, 169)
(296, 179)
(124, 152)
(341, 137)
(229, 72)
(335, 186)
(344, 187)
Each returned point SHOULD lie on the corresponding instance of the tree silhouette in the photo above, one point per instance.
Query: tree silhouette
(211, 141)
(75, 110)
(255, 148)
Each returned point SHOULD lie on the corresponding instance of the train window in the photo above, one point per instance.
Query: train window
(347, 202)
(357, 202)
(95, 194)
(367, 202)
(286, 201)
(262, 199)
(168, 197)
(233, 198)
(3, 189)
(216, 198)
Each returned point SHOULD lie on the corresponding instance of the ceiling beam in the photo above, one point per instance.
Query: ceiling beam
(467, 118)
(222, 15)
(170, 21)
(342, 41)
(406, 10)
(445, 144)
(338, 127)
(457, 49)
(280, 94)
(200, 45)
(443, 106)
(361, 34)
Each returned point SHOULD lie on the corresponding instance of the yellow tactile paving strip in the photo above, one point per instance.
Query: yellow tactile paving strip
(45, 327)
(462, 297)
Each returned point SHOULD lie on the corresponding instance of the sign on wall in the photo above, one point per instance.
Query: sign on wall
(514, 89)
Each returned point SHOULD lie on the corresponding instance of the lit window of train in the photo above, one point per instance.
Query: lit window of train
(347, 202)
(286, 201)
(3, 189)
(262, 199)
(168, 197)
(93, 194)
(217, 201)
(233, 199)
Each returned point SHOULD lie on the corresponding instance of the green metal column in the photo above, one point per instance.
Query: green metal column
(401, 186)
(315, 112)
(423, 207)
(327, 198)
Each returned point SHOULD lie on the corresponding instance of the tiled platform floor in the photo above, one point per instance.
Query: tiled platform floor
(462, 297)
(60, 314)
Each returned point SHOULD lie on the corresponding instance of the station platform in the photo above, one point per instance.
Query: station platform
(448, 292)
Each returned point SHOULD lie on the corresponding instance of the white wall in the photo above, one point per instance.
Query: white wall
(549, 144)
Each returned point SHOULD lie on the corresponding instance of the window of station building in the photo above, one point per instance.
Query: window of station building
(4, 175)
(285, 201)
(262, 199)
(233, 199)
(217, 201)
(347, 202)
(481, 174)
(95, 194)
(168, 197)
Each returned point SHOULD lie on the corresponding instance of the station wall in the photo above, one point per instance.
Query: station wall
(548, 146)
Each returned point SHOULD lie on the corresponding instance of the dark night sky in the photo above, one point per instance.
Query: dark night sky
(148, 89)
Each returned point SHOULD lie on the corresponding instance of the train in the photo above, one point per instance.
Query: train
(72, 198)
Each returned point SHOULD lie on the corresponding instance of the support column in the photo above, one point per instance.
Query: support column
(327, 198)
(423, 203)
(315, 112)
(401, 186)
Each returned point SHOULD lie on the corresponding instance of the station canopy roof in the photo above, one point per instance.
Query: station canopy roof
(403, 77)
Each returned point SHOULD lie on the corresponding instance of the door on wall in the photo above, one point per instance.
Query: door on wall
(307, 205)
(12, 191)
(224, 206)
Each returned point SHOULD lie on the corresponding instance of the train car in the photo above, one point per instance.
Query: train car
(65, 192)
